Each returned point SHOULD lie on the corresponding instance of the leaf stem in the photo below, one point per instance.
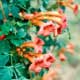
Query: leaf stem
(2, 9)
(69, 33)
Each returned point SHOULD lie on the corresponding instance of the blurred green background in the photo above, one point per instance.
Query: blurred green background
(71, 71)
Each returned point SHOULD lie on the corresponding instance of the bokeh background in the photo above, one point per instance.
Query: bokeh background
(71, 70)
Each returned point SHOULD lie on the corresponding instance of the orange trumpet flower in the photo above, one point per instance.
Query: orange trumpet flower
(27, 44)
(74, 7)
(40, 14)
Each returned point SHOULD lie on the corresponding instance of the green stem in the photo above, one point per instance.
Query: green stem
(15, 73)
(69, 33)
(2, 9)
(11, 59)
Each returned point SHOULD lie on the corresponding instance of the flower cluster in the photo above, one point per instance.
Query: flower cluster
(43, 61)
(37, 59)
(34, 38)
(69, 48)
(70, 4)
(56, 22)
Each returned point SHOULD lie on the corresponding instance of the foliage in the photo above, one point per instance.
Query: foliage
(17, 31)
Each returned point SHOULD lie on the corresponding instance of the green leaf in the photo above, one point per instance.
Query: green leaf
(42, 8)
(15, 11)
(1, 17)
(21, 70)
(5, 73)
(20, 24)
(21, 33)
(23, 4)
(63, 8)
(5, 6)
(4, 46)
(53, 6)
(5, 28)
(45, 3)
(23, 78)
(16, 42)
(4, 58)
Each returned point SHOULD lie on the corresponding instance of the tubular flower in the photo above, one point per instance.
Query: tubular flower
(29, 56)
(25, 15)
(70, 48)
(27, 44)
(60, 28)
(20, 52)
(62, 56)
(51, 16)
(35, 66)
(46, 29)
(75, 10)
(48, 13)
(2, 37)
(44, 61)
(39, 14)
(71, 1)
(74, 7)
(38, 49)
(38, 43)
(60, 11)
(49, 57)
(48, 60)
